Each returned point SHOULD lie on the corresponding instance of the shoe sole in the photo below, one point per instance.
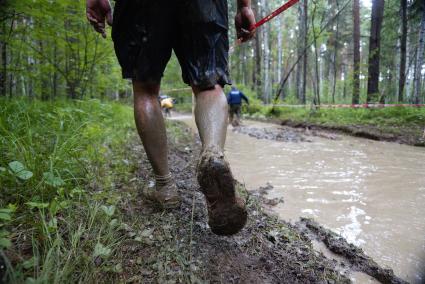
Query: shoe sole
(216, 179)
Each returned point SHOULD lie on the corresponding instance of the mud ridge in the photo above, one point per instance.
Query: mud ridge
(355, 256)
(286, 134)
(363, 131)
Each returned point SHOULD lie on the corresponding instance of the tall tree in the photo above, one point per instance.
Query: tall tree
(305, 58)
(420, 8)
(3, 70)
(356, 51)
(279, 49)
(266, 55)
(316, 86)
(374, 50)
(300, 52)
(256, 78)
(403, 43)
(335, 52)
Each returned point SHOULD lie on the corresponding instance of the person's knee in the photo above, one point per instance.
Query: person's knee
(146, 89)
(199, 90)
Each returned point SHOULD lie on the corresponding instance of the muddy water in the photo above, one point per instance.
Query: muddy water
(372, 193)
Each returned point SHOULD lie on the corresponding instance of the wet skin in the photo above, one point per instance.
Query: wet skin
(210, 115)
(150, 125)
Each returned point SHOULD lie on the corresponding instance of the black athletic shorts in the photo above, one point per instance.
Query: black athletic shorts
(146, 31)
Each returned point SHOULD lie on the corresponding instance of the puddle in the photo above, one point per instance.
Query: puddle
(372, 193)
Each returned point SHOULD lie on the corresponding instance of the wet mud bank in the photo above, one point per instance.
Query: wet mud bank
(353, 256)
(284, 133)
(409, 136)
(177, 246)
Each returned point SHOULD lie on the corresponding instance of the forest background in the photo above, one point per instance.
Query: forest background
(319, 52)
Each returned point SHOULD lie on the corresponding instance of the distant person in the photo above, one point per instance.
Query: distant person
(167, 105)
(234, 99)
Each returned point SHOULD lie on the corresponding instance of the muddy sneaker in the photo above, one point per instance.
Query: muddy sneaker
(226, 212)
(165, 196)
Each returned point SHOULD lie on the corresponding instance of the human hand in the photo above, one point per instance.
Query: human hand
(97, 12)
(244, 23)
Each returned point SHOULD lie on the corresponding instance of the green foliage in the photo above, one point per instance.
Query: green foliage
(57, 176)
(5, 219)
(19, 170)
(382, 117)
(54, 52)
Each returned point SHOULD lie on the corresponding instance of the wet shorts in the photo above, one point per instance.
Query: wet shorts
(146, 31)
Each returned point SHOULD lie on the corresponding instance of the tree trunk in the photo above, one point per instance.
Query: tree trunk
(266, 57)
(300, 51)
(3, 72)
(43, 78)
(335, 57)
(374, 50)
(244, 67)
(257, 72)
(419, 61)
(316, 61)
(403, 43)
(305, 58)
(279, 49)
(55, 73)
(356, 52)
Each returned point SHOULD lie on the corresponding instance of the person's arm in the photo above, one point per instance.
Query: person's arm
(99, 11)
(244, 20)
(245, 98)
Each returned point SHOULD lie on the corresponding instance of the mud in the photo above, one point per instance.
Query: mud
(284, 133)
(262, 192)
(357, 259)
(401, 135)
(178, 246)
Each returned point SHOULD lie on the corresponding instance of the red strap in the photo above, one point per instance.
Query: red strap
(284, 7)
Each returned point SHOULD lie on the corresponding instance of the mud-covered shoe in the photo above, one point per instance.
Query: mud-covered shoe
(165, 196)
(226, 211)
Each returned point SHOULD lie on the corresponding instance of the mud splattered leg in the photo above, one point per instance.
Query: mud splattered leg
(150, 125)
(226, 212)
(211, 115)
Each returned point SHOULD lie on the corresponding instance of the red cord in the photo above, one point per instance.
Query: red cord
(284, 7)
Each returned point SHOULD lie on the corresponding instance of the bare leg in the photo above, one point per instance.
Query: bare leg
(231, 115)
(150, 125)
(227, 214)
(211, 116)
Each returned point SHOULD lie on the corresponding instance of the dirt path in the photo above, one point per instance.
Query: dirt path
(177, 246)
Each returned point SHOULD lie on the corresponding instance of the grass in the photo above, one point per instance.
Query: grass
(389, 120)
(398, 116)
(183, 107)
(58, 165)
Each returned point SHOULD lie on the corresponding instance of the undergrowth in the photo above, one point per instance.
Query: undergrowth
(381, 117)
(58, 166)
